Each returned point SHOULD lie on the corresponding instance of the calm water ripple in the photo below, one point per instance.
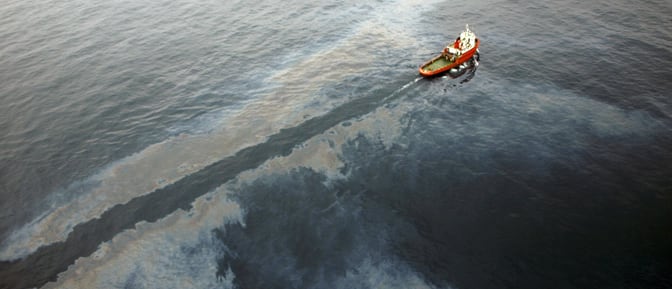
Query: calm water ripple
(208, 144)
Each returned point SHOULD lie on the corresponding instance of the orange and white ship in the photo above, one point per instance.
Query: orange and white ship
(455, 54)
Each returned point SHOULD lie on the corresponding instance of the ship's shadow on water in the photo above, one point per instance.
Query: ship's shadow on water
(466, 73)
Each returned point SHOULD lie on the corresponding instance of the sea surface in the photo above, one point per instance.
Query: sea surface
(293, 144)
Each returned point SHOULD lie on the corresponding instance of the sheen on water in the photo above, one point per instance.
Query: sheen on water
(270, 144)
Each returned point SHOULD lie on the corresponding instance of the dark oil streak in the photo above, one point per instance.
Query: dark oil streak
(47, 262)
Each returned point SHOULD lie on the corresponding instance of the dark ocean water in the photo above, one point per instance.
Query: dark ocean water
(229, 144)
